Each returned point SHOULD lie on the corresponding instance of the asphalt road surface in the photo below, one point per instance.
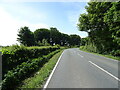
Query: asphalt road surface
(78, 69)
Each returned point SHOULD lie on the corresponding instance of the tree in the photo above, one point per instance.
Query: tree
(55, 36)
(26, 37)
(43, 37)
(41, 34)
(45, 42)
(93, 23)
(75, 40)
(65, 39)
(112, 18)
(84, 41)
(84, 22)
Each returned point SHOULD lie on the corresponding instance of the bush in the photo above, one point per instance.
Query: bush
(94, 49)
(115, 52)
(15, 76)
(15, 55)
(90, 48)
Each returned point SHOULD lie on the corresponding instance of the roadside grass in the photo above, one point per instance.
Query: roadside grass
(39, 78)
(108, 56)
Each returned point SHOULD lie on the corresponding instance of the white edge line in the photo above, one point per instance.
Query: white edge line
(81, 55)
(105, 71)
(48, 80)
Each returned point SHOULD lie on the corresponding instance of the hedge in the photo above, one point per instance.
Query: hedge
(19, 54)
(15, 76)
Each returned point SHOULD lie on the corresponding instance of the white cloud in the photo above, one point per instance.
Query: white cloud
(45, 0)
(83, 34)
(9, 27)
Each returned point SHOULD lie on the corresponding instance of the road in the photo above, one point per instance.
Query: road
(78, 69)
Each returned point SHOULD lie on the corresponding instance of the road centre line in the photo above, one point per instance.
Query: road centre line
(104, 71)
(49, 78)
(80, 55)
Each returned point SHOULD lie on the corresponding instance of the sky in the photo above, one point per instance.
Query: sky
(62, 15)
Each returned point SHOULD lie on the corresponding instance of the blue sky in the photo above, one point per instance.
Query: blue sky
(62, 15)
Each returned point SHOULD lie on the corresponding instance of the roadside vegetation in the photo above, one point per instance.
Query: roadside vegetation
(104, 55)
(102, 23)
(29, 64)
(20, 62)
(39, 78)
(46, 37)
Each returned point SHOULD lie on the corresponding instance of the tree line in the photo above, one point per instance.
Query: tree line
(46, 37)
(102, 23)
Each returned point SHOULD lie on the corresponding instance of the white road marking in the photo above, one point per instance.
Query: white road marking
(48, 80)
(105, 71)
(80, 55)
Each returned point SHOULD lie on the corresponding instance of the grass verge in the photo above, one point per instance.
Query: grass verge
(108, 56)
(41, 76)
